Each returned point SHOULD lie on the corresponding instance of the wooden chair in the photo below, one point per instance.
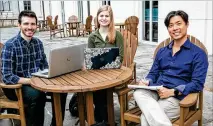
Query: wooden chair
(6, 103)
(72, 25)
(130, 47)
(191, 107)
(131, 24)
(54, 27)
(87, 28)
(73, 18)
(95, 23)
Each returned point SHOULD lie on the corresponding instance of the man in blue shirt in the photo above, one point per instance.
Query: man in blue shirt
(21, 56)
(180, 68)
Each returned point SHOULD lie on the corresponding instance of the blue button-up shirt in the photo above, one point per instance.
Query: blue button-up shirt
(185, 71)
(21, 58)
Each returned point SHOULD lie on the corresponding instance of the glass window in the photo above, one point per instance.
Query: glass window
(5, 6)
(154, 21)
(106, 2)
(27, 5)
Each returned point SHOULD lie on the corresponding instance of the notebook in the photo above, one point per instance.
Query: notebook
(102, 58)
(63, 60)
(144, 87)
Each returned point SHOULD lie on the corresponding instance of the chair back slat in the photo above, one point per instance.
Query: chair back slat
(73, 18)
(131, 24)
(130, 47)
(88, 26)
(95, 23)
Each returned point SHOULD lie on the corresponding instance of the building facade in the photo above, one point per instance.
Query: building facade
(150, 30)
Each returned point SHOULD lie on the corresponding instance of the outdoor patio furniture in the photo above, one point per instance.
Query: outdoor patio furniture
(131, 24)
(54, 27)
(71, 26)
(42, 25)
(95, 23)
(5, 103)
(84, 82)
(191, 107)
(130, 48)
(87, 28)
(73, 18)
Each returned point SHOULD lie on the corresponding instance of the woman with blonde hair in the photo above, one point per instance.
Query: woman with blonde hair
(104, 36)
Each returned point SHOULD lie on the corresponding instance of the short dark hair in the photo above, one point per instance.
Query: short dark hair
(171, 14)
(26, 13)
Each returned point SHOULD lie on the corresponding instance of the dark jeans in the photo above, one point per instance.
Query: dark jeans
(100, 101)
(35, 101)
(63, 105)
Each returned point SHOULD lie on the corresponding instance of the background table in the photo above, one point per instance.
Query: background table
(84, 82)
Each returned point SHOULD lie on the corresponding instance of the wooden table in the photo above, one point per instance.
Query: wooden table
(71, 26)
(84, 83)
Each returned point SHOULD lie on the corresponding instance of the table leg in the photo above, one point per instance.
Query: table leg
(81, 109)
(110, 107)
(57, 108)
(90, 108)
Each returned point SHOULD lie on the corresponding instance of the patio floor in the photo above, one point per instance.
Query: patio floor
(143, 60)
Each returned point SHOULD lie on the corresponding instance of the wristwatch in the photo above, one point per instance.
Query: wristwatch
(176, 92)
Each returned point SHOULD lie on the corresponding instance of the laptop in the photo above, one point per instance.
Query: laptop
(63, 60)
(102, 58)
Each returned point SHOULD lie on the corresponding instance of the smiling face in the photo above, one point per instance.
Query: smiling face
(104, 19)
(28, 26)
(177, 28)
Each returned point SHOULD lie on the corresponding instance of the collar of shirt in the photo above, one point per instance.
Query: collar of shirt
(22, 40)
(186, 44)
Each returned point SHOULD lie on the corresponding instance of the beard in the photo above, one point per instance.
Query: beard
(29, 35)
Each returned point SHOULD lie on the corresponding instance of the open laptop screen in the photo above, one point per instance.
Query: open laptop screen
(102, 58)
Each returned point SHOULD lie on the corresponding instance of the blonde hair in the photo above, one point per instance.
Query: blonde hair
(111, 31)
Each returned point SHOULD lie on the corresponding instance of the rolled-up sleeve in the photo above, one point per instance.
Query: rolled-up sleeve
(7, 65)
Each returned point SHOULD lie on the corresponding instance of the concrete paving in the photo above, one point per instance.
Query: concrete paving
(143, 60)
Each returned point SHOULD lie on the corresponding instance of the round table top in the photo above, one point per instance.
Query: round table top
(83, 81)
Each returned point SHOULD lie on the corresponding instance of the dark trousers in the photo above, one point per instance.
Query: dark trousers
(63, 105)
(35, 101)
(100, 102)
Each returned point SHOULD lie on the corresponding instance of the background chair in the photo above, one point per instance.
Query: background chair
(95, 23)
(54, 27)
(191, 107)
(87, 28)
(131, 24)
(5, 103)
(72, 25)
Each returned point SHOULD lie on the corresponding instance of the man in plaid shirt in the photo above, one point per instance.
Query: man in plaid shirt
(21, 56)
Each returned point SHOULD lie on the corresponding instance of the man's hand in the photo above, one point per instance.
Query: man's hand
(143, 82)
(165, 92)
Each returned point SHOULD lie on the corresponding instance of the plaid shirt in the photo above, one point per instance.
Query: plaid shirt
(21, 58)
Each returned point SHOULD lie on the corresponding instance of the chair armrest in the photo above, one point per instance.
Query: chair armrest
(124, 91)
(189, 100)
(132, 66)
(2, 85)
